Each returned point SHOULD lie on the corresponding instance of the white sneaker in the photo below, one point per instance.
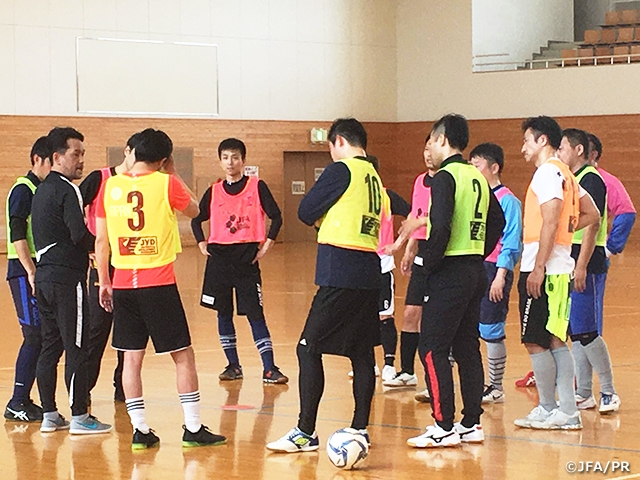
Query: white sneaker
(609, 403)
(558, 420)
(423, 396)
(538, 414)
(474, 434)
(492, 395)
(388, 373)
(435, 436)
(585, 403)
(376, 370)
(295, 441)
(402, 380)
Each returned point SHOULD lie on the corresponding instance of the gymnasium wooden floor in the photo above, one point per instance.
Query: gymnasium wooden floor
(251, 414)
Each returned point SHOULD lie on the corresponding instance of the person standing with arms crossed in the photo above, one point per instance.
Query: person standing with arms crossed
(62, 244)
(555, 207)
(464, 225)
(21, 270)
(588, 250)
(346, 202)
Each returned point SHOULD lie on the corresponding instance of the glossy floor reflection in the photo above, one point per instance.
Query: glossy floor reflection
(251, 414)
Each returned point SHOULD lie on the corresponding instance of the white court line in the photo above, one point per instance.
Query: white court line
(635, 475)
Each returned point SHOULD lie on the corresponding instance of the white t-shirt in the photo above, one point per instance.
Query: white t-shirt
(547, 185)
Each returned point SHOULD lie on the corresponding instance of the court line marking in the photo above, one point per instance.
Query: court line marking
(626, 477)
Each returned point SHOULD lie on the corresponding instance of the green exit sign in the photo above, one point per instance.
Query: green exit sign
(319, 135)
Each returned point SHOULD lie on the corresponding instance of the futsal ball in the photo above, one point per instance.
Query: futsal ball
(347, 449)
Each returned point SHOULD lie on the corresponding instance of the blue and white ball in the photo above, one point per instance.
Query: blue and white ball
(346, 449)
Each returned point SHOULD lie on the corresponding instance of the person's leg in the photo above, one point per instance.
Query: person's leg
(51, 351)
(410, 331)
(584, 370)
(310, 387)
(99, 327)
(117, 377)
(466, 351)
(132, 386)
(27, 360)
(386, 310)
(565, 375)
(262, 340)
(188, 389)
(364, 383)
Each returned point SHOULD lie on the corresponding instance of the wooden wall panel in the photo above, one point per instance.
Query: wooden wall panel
(398, 145)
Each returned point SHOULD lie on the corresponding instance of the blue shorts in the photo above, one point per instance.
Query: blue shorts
(586, 308)
(493, 316)
(24, 301)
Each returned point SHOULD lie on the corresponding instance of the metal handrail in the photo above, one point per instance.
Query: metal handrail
(592, 60)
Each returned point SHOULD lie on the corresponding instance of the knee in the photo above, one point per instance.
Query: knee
(584, 338)
(492, 333)
(411, 319)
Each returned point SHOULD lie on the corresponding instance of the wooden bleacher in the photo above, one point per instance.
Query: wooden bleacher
(617, 41)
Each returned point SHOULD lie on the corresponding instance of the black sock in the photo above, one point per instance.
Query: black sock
(389, 337)
(408, 347)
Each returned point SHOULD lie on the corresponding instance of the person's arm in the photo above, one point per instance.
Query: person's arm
(443, 190)
(191, 210)
(203, 216)
(620, 231)
(19, 211)
(90, 186)
(103, 252)
(399, 206)
(73, 218)
(495, 225)
(410, 252)
(550, 211)
(327, 190)
(589, 214)
(511, 246)
(272, 210)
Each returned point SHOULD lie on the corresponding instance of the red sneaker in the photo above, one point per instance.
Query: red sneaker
(529, 380)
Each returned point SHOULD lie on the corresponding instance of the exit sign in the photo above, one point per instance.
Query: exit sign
(319, 135)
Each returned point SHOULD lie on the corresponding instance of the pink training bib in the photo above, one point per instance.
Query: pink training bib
(385, 237)
(236, 218)
(493, 258)
(420, 204)
(91, 208)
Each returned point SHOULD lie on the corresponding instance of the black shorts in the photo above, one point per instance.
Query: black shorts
(154, 312)
(219, 284)
(342, 322)
(386, 305)
(417, 286)
(493, 315)
(534, 314)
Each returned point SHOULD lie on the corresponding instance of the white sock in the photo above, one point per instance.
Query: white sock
(191, 407)
(135, 409)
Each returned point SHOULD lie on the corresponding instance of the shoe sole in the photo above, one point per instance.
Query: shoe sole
(20, 420)
(609, 410)
(89, 432)
(544, 426)
(449, 445)
(496, 400)
(52, 430)
(298, 450)
(275, 382)
(230, 379)
(422, 399)
(136, 447)
(389, 384)
(472, 441)
(200, 444)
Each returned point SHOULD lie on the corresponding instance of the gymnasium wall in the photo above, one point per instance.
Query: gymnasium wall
(434, 74)
(277, 59)
(266, 143)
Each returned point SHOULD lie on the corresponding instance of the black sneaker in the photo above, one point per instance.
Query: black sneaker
(232, 372)
(201, 438)
(274, 376)
(25, 411)
(142, 441)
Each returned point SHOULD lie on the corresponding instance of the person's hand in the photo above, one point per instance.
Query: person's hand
(203, 248)
(534, 282)
(106, 297)
(31, 276)
(580, 279)
(410, 225)
(405, 264)
(263, 250)
(496, 292)
(393, 247)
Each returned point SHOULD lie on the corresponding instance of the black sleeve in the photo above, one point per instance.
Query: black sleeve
(90, 187)
(443, 190)
(399, 205)
(331, 185)
(495, 225)
(203, 216)
(595, 187)
(271, 208)
(19, 211)
(73, 218)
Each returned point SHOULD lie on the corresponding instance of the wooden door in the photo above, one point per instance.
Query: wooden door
(301, 169)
